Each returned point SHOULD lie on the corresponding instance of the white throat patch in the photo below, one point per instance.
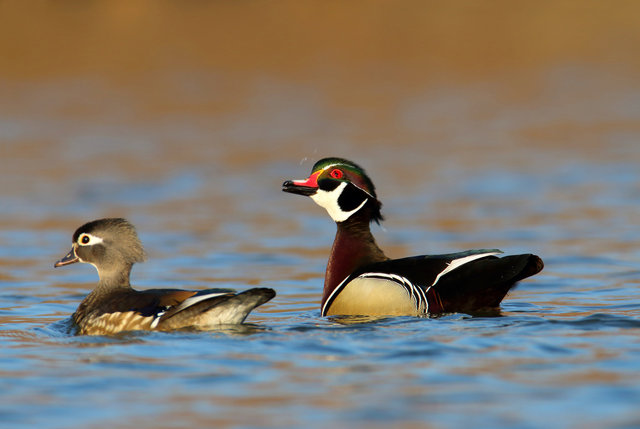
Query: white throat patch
(329, 200)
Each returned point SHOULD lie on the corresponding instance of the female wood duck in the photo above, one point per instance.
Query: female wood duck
(112, 246)
(361, 280)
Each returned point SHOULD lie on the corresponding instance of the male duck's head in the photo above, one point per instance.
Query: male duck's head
(111, 245)
(341, 187)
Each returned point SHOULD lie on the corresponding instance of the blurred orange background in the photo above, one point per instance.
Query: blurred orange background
(361, 40)
(428, 90)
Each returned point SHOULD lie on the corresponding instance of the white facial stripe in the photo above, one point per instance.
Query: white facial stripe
(329, 201)
(92, 239)
(363, 190)
(329, 166)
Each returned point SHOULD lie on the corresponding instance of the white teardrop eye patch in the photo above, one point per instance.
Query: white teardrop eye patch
(88, 240)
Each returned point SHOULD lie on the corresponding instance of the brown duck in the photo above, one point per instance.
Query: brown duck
(112, 246)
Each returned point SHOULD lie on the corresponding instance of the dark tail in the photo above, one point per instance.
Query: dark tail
(482, 284)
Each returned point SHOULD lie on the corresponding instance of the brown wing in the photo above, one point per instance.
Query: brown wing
(165, 309)
(125, 310)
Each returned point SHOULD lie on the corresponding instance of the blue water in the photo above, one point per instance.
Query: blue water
(565, 351)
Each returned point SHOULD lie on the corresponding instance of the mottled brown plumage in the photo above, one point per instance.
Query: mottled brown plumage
(112, 246)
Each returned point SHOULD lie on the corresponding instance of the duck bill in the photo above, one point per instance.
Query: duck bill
(306, 187)
(70, 258)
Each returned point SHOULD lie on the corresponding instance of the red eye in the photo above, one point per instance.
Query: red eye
(336, 174)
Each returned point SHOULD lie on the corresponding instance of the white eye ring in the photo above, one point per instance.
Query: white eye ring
(88, 240)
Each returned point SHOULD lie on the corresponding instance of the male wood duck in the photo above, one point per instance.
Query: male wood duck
(361, 280)
(112, 246)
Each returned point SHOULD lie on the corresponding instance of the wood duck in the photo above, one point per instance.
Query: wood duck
(112, 246)
(361, 280)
